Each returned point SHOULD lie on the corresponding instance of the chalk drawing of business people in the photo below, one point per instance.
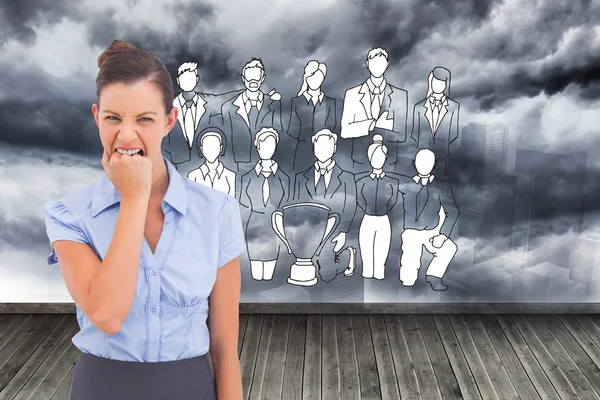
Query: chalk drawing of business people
(326, 183)
(377, 195)
(311, 110)
(245, 114)
(196, 109)
(375, 107)
(435, 119)
(430, 213)
(264, 189)
(211, 145)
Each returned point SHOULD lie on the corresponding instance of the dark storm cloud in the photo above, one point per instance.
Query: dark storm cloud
(19, 19)
(401, 26)
(37, 110)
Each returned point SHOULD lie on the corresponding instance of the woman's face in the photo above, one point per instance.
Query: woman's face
(133, 117)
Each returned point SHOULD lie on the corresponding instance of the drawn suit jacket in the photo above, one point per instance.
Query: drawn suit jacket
(340, 196)
(240, 131)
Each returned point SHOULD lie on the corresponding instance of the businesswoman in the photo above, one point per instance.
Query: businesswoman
(144, 252)
(377, 195)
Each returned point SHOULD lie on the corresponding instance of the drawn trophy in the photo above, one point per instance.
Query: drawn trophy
(304, 228)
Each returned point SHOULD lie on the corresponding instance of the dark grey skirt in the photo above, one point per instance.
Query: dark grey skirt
(97, 378)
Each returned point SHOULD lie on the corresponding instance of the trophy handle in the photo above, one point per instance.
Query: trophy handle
(332, 223)
(277, 224)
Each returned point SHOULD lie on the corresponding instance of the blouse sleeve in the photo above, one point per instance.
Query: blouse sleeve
(61, 225)
(231, 235)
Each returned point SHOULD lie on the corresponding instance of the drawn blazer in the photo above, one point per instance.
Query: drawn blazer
(262, 241)
(357, 117)
(446, 134)
(339, 197)
(240, 130)
(306, 120)
(208, 107)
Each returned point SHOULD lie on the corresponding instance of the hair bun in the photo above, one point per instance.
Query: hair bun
(377, 138)
(116, 46)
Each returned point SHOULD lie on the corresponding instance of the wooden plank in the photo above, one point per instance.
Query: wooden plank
(564, 346)
(491, 360)
(12, 346)
(418, 352)
(47, 336)
(315, 345)
(365, 357)
(349, 379)
(587, 323)
(584, 340)
(548, 364)
(352, 308)
(250, 351)
(484, 383)
(10, 330)
(330, 360)
(62, 392)
(464, 377)
(439, 359)
(294, 362)
(261, 358)
(6, 319)
(56, 376)
(528, 360)
(403, 363)
(388, 381)
(276, 359)
(57, 351)
(515, 370)
(242, 331)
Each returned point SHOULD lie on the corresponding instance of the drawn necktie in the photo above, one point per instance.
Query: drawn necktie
(265, 188)
(253, 116)
(189, 124)
(375, 105)
(321, 183)
(422, 198)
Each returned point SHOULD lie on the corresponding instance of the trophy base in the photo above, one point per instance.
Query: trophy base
(303, 273)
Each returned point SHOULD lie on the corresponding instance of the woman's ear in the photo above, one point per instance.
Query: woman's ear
(171, 119)
(95, 110)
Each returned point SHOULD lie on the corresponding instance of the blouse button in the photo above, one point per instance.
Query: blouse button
(153, 344)
(153, 271)
(153, 308)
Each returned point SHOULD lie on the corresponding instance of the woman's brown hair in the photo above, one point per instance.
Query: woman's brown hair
(124, 63)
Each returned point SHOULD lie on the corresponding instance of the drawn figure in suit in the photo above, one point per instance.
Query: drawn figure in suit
(377, 195)
(264, 189)
(435, 119)
(311, 111)
(196, 112)
(326, 183)
(212, 172)
(375, 107)
(430, 213)
(245, 114)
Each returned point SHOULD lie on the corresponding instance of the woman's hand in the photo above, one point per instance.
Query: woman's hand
(131, 175)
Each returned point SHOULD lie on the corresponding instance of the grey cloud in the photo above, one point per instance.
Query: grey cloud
(19, 19)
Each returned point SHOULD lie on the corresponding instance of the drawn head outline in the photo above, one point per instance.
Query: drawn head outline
(424, 162)
(438, 81)
(377, 61)
(134, 107)
(212, 144)
(266, 141)
(314, 75)
(187, 76)
(324, 144)
(377, 152)
(253, 74)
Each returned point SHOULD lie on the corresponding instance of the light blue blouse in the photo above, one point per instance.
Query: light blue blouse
(202, 232)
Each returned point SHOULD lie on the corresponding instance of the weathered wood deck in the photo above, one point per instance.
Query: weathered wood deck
(454, 356)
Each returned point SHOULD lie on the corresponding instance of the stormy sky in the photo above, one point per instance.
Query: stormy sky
(532, 66)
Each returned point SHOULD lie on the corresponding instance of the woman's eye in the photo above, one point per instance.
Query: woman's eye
(112, 117)
(146, 119)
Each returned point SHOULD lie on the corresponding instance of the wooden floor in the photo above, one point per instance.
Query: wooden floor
(348, 357)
